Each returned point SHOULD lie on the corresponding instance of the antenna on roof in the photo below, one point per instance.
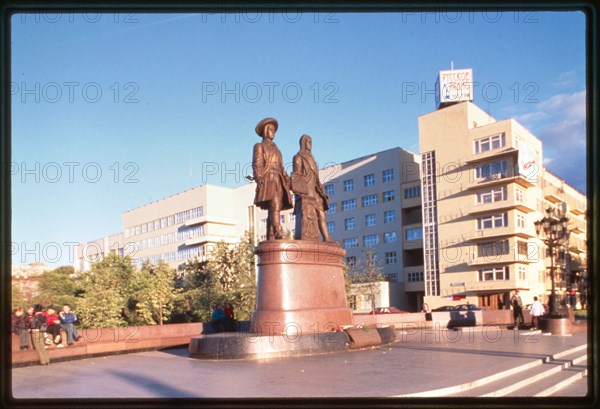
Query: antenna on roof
(452, 65)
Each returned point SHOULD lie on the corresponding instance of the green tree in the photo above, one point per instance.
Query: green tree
(227, 275)
(158, 294)
(199, 291)
(366, 276)
(234, 269)
(58, 287)
(109, 295)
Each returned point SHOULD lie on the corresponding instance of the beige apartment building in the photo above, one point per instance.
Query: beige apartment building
(483, 187)
(177, 228)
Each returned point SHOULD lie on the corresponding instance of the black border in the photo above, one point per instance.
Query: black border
(593, 174)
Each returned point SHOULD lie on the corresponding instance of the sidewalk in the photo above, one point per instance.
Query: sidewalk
(418, 362)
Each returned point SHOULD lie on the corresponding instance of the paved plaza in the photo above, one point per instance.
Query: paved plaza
(420, 363)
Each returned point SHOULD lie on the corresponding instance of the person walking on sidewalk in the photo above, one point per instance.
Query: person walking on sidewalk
(517, 305)
(537, 309)
(38, 327)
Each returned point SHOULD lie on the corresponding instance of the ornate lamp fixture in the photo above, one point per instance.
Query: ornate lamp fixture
(555, 236)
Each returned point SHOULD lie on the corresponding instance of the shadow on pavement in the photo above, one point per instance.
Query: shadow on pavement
(156, 387)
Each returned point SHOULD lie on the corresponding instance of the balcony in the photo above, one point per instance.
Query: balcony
(211, 219)
(491, 155)
(501, 206)
(503, 178)
(577, 211)
(551, 197)
(502, 232)
(501, 259)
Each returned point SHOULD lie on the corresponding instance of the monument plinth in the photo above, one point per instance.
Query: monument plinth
(301, 288)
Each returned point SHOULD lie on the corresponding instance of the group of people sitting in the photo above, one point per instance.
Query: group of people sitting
(223, 319)
(43, 326)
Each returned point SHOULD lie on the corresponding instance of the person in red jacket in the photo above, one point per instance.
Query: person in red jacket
(53, 330)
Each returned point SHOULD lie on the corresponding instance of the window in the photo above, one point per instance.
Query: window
(491, 170)
(492, 221)
(389, 216)
(519, 195)
(391, 257)
(348, 185)
(369, 180)
(489, 143)
(389, 196)
(370, 220)
(348, 204)
(332, 208)
(369, 200)
(329, 189)
(522, 248)
(349, 224)
(197, 212)
(370, 240)
(392, 278)
(350, 243)
(414, 234)
(494, 274)
(351, 261)
(521, 220)
(493, 248)
(263, 223)
(411, 192)
(522, 270)
(492, 195)
(292, 217)
(388, 175)
(415, 277)
(331, 227)
(389, 237)
(282, 218)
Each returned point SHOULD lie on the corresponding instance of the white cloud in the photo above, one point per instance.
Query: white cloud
(565, 79)
(560, 122)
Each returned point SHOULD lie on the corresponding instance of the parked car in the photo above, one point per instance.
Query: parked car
(445, 308)
(388, 310)
(468, 307)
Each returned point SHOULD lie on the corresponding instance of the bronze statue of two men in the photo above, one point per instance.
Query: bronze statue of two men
(273, 186)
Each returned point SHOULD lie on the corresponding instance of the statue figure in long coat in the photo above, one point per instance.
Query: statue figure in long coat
(272, 182)
(311, 199)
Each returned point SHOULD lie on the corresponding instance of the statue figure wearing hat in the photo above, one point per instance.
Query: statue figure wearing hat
(311, 199)
(272, 182)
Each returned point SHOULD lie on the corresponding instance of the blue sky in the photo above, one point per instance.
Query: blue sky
(112, 111)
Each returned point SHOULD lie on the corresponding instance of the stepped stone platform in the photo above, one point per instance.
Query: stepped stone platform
(248, 345)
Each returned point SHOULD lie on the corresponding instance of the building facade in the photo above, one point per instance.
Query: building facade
(484, 186)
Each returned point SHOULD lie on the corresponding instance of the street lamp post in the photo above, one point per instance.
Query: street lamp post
(556, 234)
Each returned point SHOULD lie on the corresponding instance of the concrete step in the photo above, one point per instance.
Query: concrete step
(578, 387)
(552, 384)
(508, 382)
